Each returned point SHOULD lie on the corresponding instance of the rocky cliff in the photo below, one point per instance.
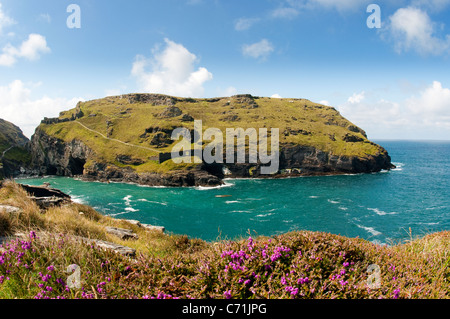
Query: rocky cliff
(122, 138)
(15, 156)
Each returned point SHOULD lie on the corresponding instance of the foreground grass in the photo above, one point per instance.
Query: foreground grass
(294, 265)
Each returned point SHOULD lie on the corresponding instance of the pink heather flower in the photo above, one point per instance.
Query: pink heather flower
(250, 244)
(32, 235)
(227, 294)
(247, 282)
(346, 264)
(49, 288)
(283, 281)
(50, 268)
(396, 293)
(302, 281)
(293, 291)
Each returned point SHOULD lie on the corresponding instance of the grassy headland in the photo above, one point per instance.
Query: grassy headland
(138, 126)
(294, 265)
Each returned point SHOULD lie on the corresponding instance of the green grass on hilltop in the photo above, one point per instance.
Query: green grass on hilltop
(300, 122)
(297, 265)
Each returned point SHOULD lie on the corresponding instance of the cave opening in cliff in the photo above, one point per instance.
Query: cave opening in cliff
(52, 170)
(76, 165)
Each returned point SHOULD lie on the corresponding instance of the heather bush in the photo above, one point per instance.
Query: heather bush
(290, 266)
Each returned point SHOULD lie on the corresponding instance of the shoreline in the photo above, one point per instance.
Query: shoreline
(204, 187)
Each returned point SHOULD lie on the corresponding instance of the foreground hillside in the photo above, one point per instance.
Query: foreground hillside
(127, 138)
(14, 153)
(294, 265)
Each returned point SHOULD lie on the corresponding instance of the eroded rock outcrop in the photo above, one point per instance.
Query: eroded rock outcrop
(52, 156)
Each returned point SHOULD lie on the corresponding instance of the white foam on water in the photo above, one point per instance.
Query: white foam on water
(151, 201)
(399, 167)
(204, 188)
(241, 211)
(333, 201)
(380, 212)
(149, 186)
(313, 196)
(78, 199)
(131, 209)
(232, 202)
(122, 213)
(434, 208)
(343, 208)
(369, 229)
(264, 215)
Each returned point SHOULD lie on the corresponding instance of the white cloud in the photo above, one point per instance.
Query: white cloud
(261, 49)
(45, 17)
(340, 5)
(230, 91)
(433, 103)
(276, 96)
(433, 5)
(170, 72)
(243, 24)
(5, 21)
(18, 107)
(285, 13)
(30, 49)
(325, 102)
(356, 98)
(412, 29)
(424, 116)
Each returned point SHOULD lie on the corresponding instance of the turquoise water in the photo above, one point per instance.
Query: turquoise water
(378, 207)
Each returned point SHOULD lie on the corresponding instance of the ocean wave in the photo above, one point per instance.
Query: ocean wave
(118, 214)
(333, 201)
(380, 212)
(241, 211)
(264, 215)
(78, 199)
(204, 188)
(343, 208)
(370, 230)
(232, 202)
(131, 209)
(434, 208)
(151, 201)
(313, 196)
(399, 166)
(429, 224)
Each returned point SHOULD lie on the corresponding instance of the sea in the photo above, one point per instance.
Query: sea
(388, 207)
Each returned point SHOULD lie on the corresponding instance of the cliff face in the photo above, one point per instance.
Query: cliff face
(121, 139)
(53, 156)
(14, 150)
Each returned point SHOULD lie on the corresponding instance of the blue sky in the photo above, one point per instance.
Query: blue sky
(393, 81)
